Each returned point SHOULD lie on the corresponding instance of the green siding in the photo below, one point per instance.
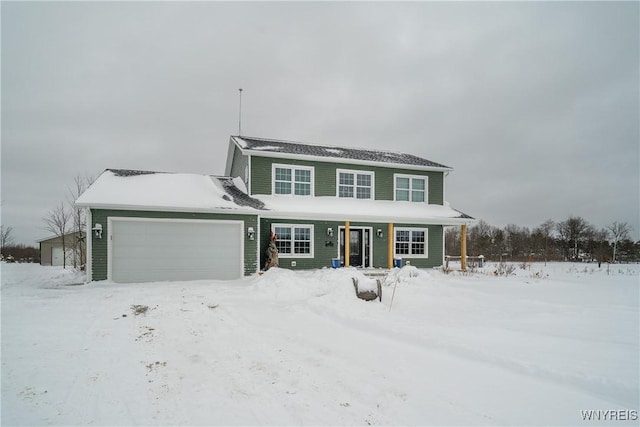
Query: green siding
(326, 248)
(325, 177)
(99, 246)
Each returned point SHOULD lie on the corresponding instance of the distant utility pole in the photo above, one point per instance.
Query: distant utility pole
(240, 115)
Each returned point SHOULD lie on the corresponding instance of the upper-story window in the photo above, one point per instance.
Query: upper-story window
(292, 180)
(355, 184)
(411, 188)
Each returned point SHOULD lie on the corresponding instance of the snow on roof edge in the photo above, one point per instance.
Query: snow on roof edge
(276, 214)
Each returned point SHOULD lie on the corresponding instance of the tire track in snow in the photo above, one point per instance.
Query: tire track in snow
(599, 387)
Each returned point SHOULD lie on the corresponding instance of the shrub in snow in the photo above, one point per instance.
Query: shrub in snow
(403, 274)
(505, 269)
(525, 265)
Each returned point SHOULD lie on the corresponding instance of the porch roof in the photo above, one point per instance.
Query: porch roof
(332, 208)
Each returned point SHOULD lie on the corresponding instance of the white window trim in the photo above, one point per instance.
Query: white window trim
(293, 182)
(410, 229)
(294, 255)
(355, 180)
(411, 177)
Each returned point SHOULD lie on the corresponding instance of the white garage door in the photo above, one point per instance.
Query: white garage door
(56, 256)
(148, 250)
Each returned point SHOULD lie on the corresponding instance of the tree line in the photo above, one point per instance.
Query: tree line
(573, 239)
(11, 251)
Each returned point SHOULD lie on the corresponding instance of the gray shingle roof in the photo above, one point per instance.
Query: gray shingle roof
(129, 172)
(464, 215)
(238, 196)
(291, 147)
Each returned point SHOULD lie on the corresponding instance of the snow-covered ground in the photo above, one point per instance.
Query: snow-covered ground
(540, 347)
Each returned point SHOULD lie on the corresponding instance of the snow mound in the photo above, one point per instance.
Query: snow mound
(281, 284)
(405, 274)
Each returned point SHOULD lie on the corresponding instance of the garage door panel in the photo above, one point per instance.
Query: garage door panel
(143, 251)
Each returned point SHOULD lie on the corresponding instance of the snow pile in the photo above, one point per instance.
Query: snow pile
(298, 348)
(280, 284)
(21, 279)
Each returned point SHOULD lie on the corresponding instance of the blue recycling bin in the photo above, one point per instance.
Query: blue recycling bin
(335, 263)
(397, 262)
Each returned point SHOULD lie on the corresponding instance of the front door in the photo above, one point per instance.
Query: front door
(359, 247)
(355, 248)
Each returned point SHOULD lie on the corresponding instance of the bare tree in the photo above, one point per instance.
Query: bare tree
(79, 220)
(6, 239)
(572, 232)
(518, 240)
(58, 222)
(479, 238)
(618, 231)
(452, 240)
(546, 230)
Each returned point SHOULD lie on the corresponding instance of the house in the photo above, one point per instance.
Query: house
(356, 207)
(52, 253)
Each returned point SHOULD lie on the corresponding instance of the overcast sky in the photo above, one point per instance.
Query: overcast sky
(534, 105)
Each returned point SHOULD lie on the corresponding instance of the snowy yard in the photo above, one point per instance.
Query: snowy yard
(540, 347)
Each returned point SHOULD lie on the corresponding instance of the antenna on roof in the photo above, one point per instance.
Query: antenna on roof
(240, 115)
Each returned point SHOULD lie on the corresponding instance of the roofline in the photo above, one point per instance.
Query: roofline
(328, 159)
(57, 237)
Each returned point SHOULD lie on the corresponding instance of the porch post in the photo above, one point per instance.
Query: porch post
(390, 246)
(463, 247)
(347, 243)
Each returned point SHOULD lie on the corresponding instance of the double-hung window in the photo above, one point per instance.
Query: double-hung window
(411, 188)
(355, 184)
(411, 242)
(292, 180)
(294, 240)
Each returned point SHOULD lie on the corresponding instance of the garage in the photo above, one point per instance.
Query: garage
(150, 250)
